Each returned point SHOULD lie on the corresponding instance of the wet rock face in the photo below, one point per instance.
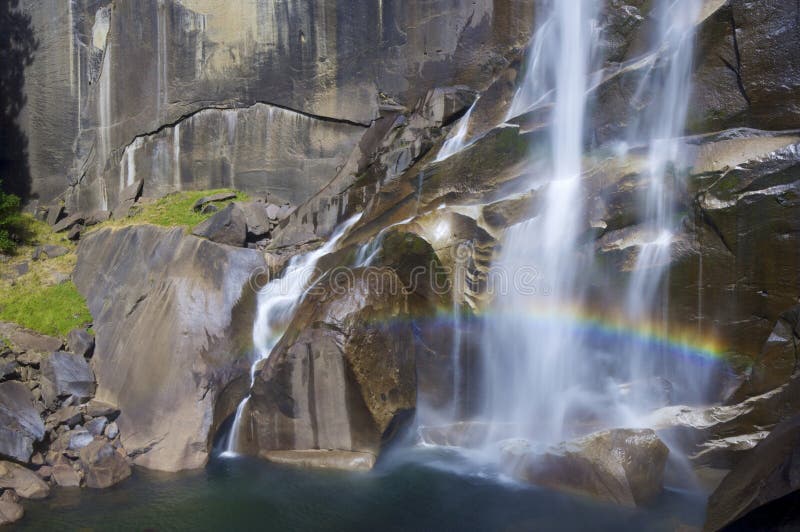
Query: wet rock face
(621, 466)
(173, 322)
(767, 473)
(343, 375)
(125, 69)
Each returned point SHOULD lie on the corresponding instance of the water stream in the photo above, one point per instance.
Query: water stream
(275, 306)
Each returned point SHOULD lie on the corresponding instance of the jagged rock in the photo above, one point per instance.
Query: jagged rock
(228, 226)
(96, 426)
(30, 358)
(321, 459)
(20, 422)
(214, 198)
(767, 473)
(75, 232)
(67, 415)
(97, 217)
(24, 482)
(54, 214)
(50, 251)
(49, 393)
(64, 475)
(257, 219)
(10, 509)
(80, 342)
(8, 368)
(95, 408)
(25, 340)
(127, 199)
(142, 285)
(622, 466)
(443, 105)
(103, 466)
(209, 209)
(69, 222)
(273, 211)
(70, 374)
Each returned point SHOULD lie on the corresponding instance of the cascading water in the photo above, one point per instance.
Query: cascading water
(545, 377)
(535, 366)
(458, 140)
(275, 306)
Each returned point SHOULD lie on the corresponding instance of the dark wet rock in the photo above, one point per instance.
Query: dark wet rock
(70, 374)
(20, 422)
(767, 473)
(24, 482)
(322, 459)
(80, 342)
(214, 198)
(163, 357)
(228, 226)
(103, 466)
(342, 377)
(621, 466)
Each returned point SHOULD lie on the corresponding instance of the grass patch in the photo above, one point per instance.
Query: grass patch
(173, 210)
(53, 309)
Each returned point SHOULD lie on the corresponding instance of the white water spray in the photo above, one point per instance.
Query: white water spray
(275, 306)
(458, 140)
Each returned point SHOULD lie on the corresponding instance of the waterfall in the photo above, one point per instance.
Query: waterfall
(535, 360)
(660, 128)
(275, 306)
(458, 139)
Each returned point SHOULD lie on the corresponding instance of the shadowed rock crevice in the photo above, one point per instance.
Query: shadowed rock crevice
(17, 49)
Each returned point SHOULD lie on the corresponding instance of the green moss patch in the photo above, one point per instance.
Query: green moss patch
(53, 309)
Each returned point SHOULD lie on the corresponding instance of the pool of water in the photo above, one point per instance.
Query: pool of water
(422, 490)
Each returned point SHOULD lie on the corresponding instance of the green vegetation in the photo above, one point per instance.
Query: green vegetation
(173, 210)
(9, 222)
(53, 309)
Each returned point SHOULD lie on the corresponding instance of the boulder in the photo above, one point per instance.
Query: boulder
(228, 226)
(64, 475)
(173, 328)
(322, 459)
(621, 466)
(75, 232)
(70, 374)
(24, 482)
(112, 430)
(97, 217)
(20, 422)
(10, 509)
(343, 375)
(78, 439)
(103, 466)
(69, 222)
(80, 342)
(257, 219)
(213, 198)
(95, 408)
(127, 199)
(67, 415)
(25, 340)
(96, 426)
(54, 214)
(767, 473)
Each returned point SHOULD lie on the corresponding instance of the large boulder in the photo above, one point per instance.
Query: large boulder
(20, 422)
(173, 320)
(23, 481)
(622, 466)
(10, 509)
(343, 375)
(769, 472)
(228, 226)
(103, 465)
(70, 374)
(30, 341)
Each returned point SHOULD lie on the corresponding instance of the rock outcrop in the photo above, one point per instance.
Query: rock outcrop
(620, 466)
(172, 317)
(20, 422)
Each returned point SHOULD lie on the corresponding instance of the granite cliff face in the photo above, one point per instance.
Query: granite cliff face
(343, 110)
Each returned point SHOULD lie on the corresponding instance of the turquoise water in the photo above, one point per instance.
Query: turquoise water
(420, 491)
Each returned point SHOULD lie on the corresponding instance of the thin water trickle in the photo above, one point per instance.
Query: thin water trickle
(275, 306)
(458, 139)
